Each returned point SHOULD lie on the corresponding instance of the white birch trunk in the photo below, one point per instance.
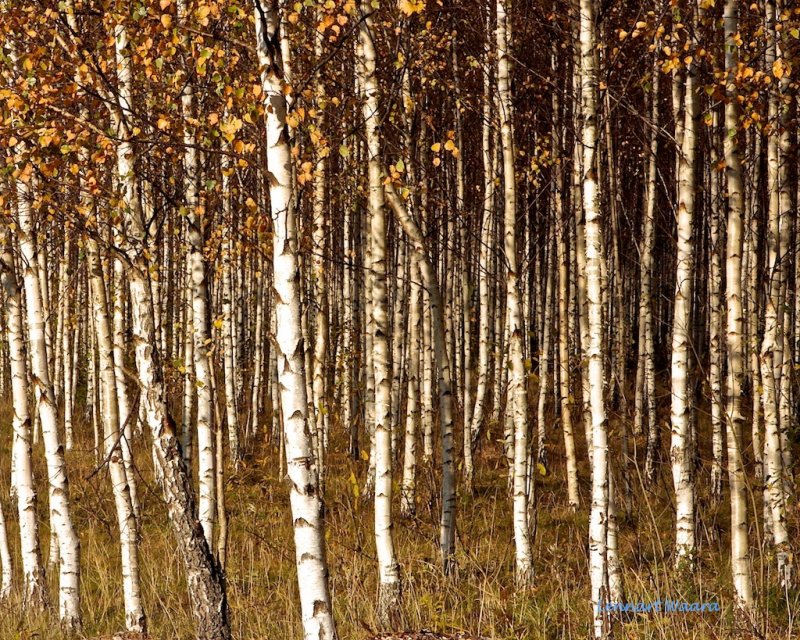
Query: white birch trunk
(135, 620)
(772, 342)
(577, 177)
(544, 349)
(740, 544)
(682, 444)
(319, 277)
(201, 335)
(204, 583)
(517, 387)
(598, 524)
(645, 378)
(58, 485)
(306, 506)
(228, 329)
(389, 569)
(34, 594)
(126, 417)
(562, 239)
(485, 258)
(408, 488)
(187, 427)
(5, 559)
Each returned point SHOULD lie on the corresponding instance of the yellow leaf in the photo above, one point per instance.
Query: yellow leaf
(354, 484)
(540, 468)
(166, 20)
(230, 127)
(364, 456)
(436, 146)
(410, 7)
(449, 145)
(325, 23)
(778, 68)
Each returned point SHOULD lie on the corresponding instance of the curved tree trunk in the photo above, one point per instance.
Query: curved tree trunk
(204, 581)
(448, 493)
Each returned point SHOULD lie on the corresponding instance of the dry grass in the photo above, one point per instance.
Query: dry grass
(481, 599)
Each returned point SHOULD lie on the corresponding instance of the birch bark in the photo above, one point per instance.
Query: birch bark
(598, 523)
(35, 588)
(740, 544)
(517, 388)
(135, 620)
(682, 444)
(58, 484)
(389, 569)
(306, 505)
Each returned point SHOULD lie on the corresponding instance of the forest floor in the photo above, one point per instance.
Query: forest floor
(481, 598)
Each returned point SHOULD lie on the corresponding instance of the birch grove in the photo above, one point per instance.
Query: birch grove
(409, 319)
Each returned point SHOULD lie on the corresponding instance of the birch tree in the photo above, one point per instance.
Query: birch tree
(306, 504)
(740, 544)
(388, 567)
(682, 447)
(58, 484)
(200, 331)
(517, 391)
(771, 352)
(598, 524)
(204, 582)
(35, 595)
(135, 620)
